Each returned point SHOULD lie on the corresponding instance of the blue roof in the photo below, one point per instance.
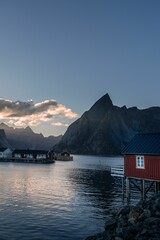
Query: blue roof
(147, 144)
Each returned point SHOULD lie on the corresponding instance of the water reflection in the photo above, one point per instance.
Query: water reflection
(96, 186)
(59, 201)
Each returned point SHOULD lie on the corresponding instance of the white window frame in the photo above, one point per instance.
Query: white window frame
(140, 162)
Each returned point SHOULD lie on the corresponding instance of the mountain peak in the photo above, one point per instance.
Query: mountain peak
(5, 126)
(3, 139)
(105, 129)
(28, 129)
(106, 100)
(103, 103)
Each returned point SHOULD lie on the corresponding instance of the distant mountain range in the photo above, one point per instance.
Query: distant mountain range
(105, 129)
(25, 138)
(3, 139)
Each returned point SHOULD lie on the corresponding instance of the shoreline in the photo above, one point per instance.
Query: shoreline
(27, 160)
(139, 222)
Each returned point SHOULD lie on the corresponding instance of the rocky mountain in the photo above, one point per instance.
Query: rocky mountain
(105, 128)
(3, 139)
(23, 138)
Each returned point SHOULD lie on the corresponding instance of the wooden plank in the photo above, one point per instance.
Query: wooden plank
(117, 171)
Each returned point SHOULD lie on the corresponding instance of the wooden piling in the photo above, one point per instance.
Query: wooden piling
(127, 188)
(143, 189)
(156, 187)
(123, 187)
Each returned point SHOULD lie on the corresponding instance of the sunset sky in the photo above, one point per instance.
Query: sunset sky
(58, 57)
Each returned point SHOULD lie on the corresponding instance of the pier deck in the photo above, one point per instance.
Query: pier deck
(27, 160)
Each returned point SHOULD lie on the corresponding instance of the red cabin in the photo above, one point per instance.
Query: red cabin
(142, 157)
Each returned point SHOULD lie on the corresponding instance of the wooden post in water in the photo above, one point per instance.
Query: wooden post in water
(123, 188)
(128, 188)
(143, 189)
(156, 187)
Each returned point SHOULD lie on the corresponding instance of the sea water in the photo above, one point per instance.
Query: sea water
(64, 200)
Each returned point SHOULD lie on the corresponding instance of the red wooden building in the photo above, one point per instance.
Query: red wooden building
(142, 157)
(142, 160)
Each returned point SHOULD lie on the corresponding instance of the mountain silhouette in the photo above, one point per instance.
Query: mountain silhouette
(25, 138)
(3, 140)
(105, 128)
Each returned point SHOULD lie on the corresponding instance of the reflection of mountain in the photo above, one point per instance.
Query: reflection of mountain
(24, 138)
(96, 185)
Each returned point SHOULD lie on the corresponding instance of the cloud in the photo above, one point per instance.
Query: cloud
(59, 124)
(20, 113)
(19, 109)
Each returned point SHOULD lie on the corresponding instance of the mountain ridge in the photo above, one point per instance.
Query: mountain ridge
(105, 128)
(23, 138)
(3, 140)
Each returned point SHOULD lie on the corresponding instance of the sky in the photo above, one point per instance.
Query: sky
(58, 57)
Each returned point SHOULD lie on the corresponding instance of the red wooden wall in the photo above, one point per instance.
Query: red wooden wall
(150, 172)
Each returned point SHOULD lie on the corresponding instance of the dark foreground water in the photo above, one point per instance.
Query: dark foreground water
(64, 200)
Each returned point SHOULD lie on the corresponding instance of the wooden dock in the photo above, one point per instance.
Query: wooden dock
(119, 172)
(27, 160)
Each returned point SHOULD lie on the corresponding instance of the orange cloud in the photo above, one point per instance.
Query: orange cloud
(59, 124)
(27, 113)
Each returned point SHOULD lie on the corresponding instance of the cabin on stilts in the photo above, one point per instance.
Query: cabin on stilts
(142, 163)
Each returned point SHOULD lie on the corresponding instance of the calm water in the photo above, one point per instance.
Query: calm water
(64, 200)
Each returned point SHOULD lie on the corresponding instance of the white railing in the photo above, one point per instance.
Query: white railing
(117, 171)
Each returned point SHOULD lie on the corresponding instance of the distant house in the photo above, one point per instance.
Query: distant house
(5, 152)
(64, 156)
(142, 157)
(30, 154)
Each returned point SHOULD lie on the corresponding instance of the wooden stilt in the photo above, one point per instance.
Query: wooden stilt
(143, 188)
(147, 190)
(156, 187)
(127, 188)
(135, 185)
(123, 188)
(143, 185)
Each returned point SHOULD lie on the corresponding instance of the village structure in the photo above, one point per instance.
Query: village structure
(141, 164)
(5, 152)
(26, 155)
(32, 156)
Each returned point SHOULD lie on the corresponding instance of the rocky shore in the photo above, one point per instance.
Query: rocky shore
(140, 222)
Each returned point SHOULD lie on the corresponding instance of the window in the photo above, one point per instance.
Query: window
(139, 161)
